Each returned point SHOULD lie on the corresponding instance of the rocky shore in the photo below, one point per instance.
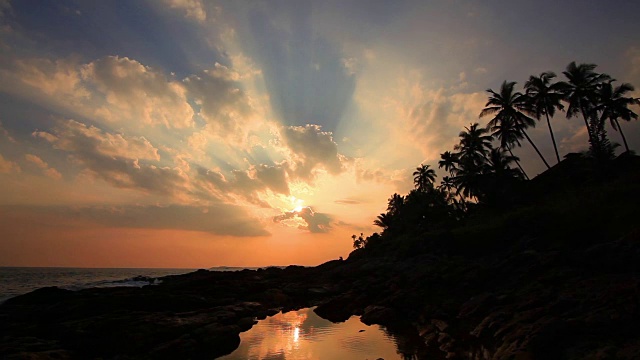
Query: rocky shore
(555, 277)
(521, 304)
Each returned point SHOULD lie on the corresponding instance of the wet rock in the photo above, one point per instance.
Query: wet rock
(379, 315)
(337, 309)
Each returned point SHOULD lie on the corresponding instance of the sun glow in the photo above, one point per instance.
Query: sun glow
(297, 204)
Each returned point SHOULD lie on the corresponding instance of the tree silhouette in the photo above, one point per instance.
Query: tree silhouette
(424, 177)
(508, 134)
(448, 161)
(359, 242)
(499, 165)
(447, 184)
(613, 105)
(473, 149)
(581, 92)
(383, 220)
(543, 98)
(394, 204)
(509, 106)
(474, 145)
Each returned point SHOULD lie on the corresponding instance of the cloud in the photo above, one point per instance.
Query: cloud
(348, 202)
(8, 167)
(223, 103)
(433, 118)
(6, 134)
(46, 169)
(113, 89)
(59, 78)
(314, 222)
(219, 219)
(135, 91)
(116, 145)
(246, 184)
(115, 158)
(274, 177)
(311, 147)
(192, 8)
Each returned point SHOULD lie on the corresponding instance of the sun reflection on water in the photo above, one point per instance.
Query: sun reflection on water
(304, 335)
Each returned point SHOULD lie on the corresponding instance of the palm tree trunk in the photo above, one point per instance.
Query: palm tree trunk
(586, 123)
(536, 148)
(518, 163)
(621, 133)
(553, 139)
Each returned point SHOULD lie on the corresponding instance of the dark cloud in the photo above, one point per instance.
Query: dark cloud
(316, 222)
(99, 29)
(221, 98)
(219, 219)
(274, 177)
(312, 147)
(247, 184)
(94, 149)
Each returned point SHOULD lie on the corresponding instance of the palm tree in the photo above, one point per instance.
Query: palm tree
(509, 106)
(614, 105)
(581, 94)
(474, 145)
(543, 97)
(383, 220)
(424, 177)
(447, 184)
(468, 179)
(499, 165)
(395, 203)
(448, 161)
(472, 154)
(508, 135)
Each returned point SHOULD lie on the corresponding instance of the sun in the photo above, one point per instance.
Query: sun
(298, 204)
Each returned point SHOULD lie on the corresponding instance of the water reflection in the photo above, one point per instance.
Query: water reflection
(302, 334)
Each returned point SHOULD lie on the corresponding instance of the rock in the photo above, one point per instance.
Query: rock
(246, 323)
(46, 295)
(379, 315)
(440, 324)
(337, 309)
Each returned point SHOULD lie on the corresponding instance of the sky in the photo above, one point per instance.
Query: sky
(192, 133)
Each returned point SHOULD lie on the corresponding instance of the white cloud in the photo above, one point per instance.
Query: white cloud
(115, 158)
(116, 145)
(135, 91)
(112, 89)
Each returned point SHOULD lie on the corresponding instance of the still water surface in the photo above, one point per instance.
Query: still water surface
(302, 334)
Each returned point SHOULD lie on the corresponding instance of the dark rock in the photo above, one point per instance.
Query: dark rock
(379, 315)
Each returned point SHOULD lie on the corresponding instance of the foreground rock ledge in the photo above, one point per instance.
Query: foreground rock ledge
(519, 304)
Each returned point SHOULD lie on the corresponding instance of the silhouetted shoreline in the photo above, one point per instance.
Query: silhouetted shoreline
(554, 277)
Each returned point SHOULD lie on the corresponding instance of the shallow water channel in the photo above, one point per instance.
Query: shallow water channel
(302, 334)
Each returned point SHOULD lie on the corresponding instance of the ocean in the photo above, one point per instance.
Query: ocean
(15, 281)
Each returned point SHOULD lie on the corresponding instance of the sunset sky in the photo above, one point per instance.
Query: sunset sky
(188, 133)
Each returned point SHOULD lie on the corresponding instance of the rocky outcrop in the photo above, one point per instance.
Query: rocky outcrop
(520, 303)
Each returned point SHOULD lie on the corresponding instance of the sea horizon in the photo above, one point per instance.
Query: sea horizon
(19, 280)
